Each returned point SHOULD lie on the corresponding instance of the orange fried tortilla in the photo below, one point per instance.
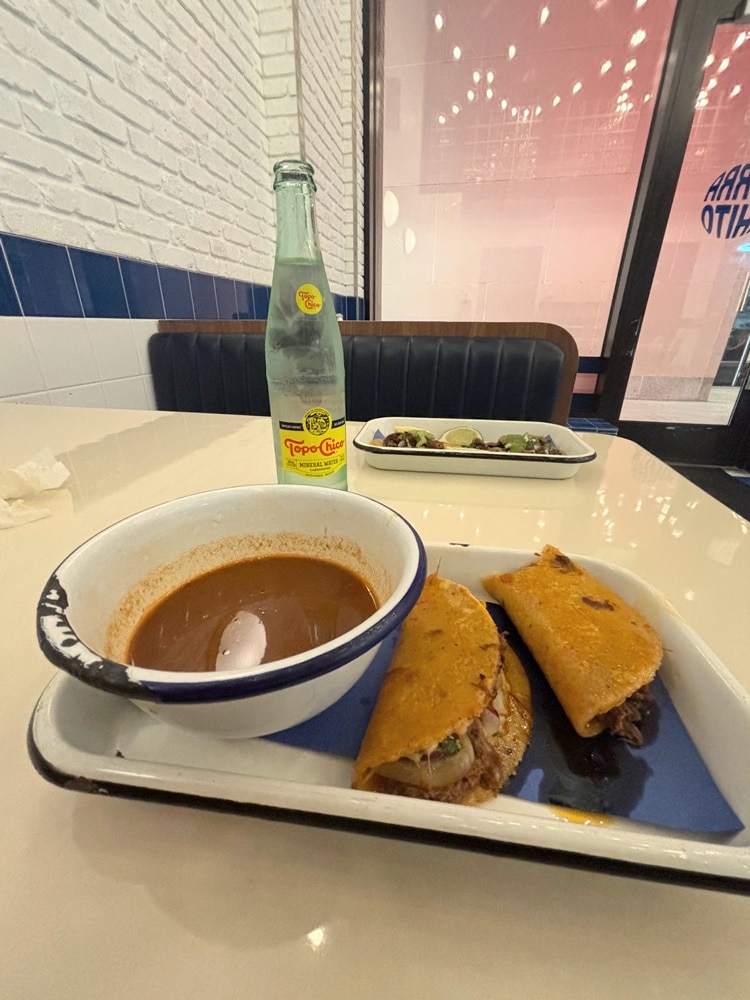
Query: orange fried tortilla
(450, 666)
(597, 652)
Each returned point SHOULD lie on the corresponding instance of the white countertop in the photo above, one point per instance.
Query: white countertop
(117, 898)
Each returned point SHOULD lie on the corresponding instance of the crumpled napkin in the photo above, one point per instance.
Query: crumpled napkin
(41, 472)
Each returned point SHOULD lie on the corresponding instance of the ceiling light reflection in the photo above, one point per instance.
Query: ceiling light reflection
(488, 93)
(723, 65)
(576, 86)
(735, 90)
(470, 94)
(739, 40)
(456, 109)
(457, 52)
(543, 15)
(441, 119)
(476, 76)
(711, 83)
(709, 61)
(503, 104)
(391, 208)
(605, 67)
(630, 66)
(490, 76)
(511, 51)
(637, 37)
(555, 100)
(316, 938)
(627, 84)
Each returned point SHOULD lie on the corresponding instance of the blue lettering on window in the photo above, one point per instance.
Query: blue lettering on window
(721, 215)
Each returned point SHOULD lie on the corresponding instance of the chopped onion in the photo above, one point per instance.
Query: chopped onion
(499, 703)
(490, 722)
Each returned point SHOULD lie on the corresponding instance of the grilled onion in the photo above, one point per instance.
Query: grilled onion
(431, 771)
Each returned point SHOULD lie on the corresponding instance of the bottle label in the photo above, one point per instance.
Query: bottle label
(316, 447)
(309, 299)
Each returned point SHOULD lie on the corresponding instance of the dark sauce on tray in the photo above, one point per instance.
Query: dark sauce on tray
(250, 612)
(599, 774)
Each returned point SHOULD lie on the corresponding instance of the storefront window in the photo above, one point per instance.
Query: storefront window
(513, 141)
(692, 353)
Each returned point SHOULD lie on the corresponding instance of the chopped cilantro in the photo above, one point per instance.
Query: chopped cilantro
(450, 745)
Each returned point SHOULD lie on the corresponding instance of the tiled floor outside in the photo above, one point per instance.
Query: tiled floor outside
(716, 410)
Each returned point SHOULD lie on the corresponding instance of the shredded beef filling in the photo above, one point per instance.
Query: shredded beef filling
(485, 772)
(625, 720)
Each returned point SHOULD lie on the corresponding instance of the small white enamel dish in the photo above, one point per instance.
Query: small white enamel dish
(468, 461)
(93, 600)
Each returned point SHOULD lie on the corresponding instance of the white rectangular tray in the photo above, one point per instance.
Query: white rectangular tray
(85, 740)
(467, 461)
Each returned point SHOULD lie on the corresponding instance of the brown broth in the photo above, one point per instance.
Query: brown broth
(250, 612)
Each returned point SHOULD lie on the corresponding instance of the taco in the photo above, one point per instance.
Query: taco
(453, 717)
(597, 652)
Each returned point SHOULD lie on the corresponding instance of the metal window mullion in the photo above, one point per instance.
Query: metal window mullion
(690, 40)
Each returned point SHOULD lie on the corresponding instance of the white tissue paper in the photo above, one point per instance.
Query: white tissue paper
(42, 472)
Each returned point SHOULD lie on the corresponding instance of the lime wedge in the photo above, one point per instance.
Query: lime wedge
(461, 437)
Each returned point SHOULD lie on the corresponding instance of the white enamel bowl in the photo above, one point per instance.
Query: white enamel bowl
(92, 601)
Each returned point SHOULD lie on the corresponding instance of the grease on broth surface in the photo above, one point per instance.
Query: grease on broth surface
(250, 612)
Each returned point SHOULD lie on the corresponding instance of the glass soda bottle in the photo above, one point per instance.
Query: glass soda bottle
(304, 351)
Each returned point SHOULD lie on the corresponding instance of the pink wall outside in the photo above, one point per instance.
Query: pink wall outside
(491, 215)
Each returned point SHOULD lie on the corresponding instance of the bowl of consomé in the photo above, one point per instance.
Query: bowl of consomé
(237, 612)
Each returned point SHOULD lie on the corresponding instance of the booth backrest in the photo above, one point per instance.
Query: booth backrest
(519, 372)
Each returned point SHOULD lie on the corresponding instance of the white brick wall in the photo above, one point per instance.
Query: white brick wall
(321, 54)
(148, 129)
(125, 125)
(330, 44)
(357, 193)
(319, 116)
(276, 28)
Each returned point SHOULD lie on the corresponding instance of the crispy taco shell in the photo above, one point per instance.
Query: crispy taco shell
(517, 731)
(446, 670)
(596, 651)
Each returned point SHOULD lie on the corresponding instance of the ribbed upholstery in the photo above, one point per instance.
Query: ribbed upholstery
(209, 373)
(516, 378)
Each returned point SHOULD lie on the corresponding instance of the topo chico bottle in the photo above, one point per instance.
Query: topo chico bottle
(304, 351)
